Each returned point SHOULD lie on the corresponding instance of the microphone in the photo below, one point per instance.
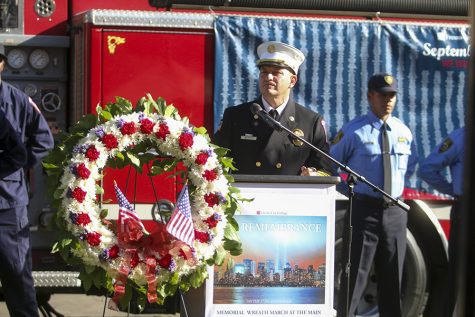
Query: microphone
(264, 116)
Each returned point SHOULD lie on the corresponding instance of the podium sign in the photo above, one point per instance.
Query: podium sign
(286, 268)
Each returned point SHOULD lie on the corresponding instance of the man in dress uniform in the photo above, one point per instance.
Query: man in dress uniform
(258, 149)
(25, 118)
(449, 153)
(379, 147)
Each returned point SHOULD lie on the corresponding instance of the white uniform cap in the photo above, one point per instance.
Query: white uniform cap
(279, 54)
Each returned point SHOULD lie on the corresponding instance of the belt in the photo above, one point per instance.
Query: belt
(374, 201)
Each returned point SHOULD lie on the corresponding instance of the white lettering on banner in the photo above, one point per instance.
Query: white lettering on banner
(444, 36)
(282, 227)
(447, 51)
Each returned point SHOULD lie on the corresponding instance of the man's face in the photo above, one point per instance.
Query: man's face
(2, 64)
(275, 82)
(382, 103)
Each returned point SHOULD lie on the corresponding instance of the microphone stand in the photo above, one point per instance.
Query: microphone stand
(351, 181)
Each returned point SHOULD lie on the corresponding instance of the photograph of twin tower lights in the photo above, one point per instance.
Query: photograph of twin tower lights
(283, 262)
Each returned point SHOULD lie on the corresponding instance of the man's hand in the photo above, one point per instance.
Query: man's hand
(312, 171)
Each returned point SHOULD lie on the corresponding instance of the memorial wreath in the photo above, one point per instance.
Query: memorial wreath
(156, 264)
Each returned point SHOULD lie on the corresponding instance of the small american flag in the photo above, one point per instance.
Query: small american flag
(180, 224)
(126, 213)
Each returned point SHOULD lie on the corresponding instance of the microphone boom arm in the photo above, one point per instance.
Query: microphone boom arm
(276, 125)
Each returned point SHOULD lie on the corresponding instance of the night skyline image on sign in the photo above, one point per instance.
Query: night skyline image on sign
(283, 262)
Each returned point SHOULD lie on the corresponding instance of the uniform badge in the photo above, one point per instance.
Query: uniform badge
(248, 137)
(402, 139)
(271, 48)
(389, 80)
(338, 137)
(296, 141)
(445, 145)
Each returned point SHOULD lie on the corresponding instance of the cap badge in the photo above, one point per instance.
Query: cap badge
(389, 80)
(271, 48)
(296, 141)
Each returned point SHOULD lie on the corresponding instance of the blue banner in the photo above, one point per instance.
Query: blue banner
(430, 62)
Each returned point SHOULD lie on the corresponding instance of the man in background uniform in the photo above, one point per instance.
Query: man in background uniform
(378, 147)
(449, 154)
(255, 147)
(12, 150)
(25, 118)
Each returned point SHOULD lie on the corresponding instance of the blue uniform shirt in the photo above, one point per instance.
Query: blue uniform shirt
(358, 145)
(450, 154)
(12, 150)
(26, 120)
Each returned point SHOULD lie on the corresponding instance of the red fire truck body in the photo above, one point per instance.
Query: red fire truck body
(97, 50)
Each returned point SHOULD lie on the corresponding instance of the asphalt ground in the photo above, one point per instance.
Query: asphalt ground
(79, 305)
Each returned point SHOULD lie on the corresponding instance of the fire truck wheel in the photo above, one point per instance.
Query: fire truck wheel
(414, 281)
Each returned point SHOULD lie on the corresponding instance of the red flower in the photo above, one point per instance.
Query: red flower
(92, 153)
(210, 175)
(114, 252)
(93, 238)
(211, 199)
(185, 140)
(212, 221)
(135, 260)
(146, 126)
(128, 128)
(165, 261)
(202, 237)
(201, 158)
(163, 131)
(82, 171)
(78, 194)
(110, 141)
(83, 219)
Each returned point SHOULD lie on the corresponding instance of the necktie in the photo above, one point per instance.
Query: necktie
(386, 159)
(274, 114)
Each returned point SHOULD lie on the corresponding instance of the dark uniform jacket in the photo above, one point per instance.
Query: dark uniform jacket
(31, 127)
(258, 149)
(12, 149)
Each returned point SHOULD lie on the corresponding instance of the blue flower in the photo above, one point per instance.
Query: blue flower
(100, 132)
(120, 122)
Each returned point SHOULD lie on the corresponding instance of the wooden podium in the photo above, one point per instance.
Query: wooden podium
(286, 268)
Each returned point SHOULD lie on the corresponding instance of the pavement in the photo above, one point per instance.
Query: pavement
(79, 305)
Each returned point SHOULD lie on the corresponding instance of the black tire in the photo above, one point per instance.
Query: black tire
(414, 281)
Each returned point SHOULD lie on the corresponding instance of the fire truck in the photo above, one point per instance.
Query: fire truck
(71, 56)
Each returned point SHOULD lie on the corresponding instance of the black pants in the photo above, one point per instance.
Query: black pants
(379, 235)
(15, 263)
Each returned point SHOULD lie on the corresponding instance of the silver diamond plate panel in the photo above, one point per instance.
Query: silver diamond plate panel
(56, 279)
(149, 19)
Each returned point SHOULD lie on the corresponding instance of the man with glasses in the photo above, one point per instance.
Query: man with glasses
(258, 149)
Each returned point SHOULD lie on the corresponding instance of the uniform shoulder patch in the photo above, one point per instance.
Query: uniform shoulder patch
(446, 145)
(338, 137)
